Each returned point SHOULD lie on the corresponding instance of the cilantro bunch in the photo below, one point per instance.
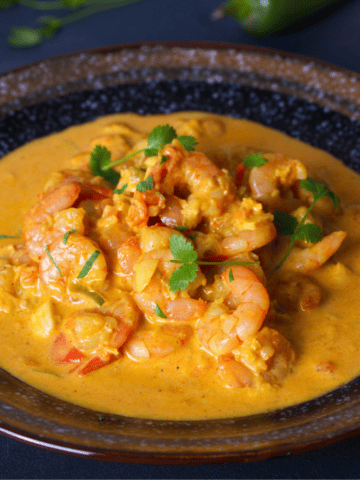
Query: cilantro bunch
(160, 136)
(49, 25)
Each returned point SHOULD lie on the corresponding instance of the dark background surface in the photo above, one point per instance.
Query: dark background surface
(335, 39)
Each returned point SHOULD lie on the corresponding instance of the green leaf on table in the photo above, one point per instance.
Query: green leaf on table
(25, 37)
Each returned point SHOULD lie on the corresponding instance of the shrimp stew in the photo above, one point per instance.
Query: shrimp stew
(188, 266)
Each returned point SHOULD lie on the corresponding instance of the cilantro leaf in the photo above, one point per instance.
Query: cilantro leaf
(24, 37)
(146, 185)
(231, 276)
(52, 260)
(88, 264)
(158, 138)
(100, 158)
(255, 160)
(183, 276)
(319, 190)
(159, 312)
(66, 236)
(188, 142)
(285, 223)
(121, 190)
(309, 232)
(181, 249)
(181, 228)
(163, 159)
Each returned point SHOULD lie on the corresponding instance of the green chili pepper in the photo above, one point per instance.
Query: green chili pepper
(268, 17)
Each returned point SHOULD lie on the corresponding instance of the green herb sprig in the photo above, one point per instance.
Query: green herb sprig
(184, 253)
(255, 160)
(49, 25)
(157, 139)
(291, 227)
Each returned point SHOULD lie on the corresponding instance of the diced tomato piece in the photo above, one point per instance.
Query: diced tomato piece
(94, 364)
(62, 352)
(239, 174)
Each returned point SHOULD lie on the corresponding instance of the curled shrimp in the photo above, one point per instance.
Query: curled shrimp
(269, 181)
(92, 339)
(220, 332)
(311, 258)
(157, 344)
(53, 216)
(70, 258)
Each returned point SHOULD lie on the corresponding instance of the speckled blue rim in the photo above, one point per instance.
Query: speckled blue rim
(229, 81)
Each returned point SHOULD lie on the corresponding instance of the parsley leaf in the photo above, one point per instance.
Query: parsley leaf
(159, 312)
(181, 249)
(185, 274)
(319, 190)
(285, 223)
(309, 232)
(158, 138)
(100, 158)
(88, 264)
(146, 185)
(255, 160)
(188, 142)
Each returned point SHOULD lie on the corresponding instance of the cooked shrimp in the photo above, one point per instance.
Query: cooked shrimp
(234, 374)
(271, 179)
(220, 332)
(53, 216)
(93, 338)
(268, 354)
(309, 259)
(157, 344)
(249, 240)
(70, 258)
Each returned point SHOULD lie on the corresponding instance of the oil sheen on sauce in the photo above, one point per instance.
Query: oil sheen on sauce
(163, 388)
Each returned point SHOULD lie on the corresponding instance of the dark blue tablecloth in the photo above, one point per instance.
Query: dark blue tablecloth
(336, 39)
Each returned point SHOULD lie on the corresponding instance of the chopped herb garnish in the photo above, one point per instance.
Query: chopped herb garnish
(88, 264)
(181, 228)
(121, 190)
(188, 142)
(163, 159)
(184, 253)
(8, 236)
(52, 260)
(255, 160)
(66, 236)
(289, 225)
(96, 297)
(157, 139)
(146, 185)
(231, 275)
(100, 158)
(159, 312)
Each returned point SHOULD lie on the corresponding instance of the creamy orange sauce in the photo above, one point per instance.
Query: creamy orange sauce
(166, 388)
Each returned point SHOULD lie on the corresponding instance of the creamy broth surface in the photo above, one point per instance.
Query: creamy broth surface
(167, 388)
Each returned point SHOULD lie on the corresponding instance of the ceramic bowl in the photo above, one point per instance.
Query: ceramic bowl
(309, 100)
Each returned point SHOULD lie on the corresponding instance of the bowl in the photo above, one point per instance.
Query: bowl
(309, 100)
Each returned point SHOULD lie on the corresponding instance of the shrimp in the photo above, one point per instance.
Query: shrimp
(220, 332)
(92, 339)
(278, 175)
(311, 258)
(53, 216)
(267, 354)
(157, 344)
(249, 240)
(70, 258)
(234, 374)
